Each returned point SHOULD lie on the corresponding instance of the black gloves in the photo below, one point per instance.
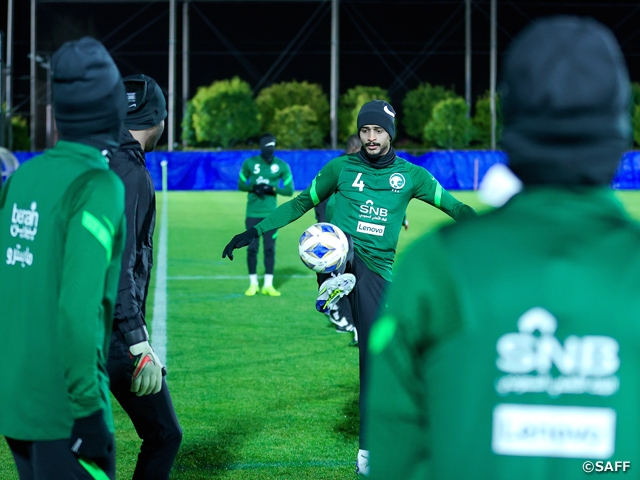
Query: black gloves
(261, 190)
(269, 190)
(91, 439)
(241, 240)
(258, 190)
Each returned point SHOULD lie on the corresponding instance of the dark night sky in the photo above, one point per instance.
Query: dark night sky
(394, 44)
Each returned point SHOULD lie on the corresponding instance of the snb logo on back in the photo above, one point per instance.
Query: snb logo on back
(585, 364)
(397, 181)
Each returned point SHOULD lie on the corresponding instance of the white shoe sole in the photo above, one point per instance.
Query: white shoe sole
(333, 289)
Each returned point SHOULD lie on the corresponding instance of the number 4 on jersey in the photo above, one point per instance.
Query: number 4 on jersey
(359, 184)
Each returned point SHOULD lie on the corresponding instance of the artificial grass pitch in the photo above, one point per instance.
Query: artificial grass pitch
(264, 387)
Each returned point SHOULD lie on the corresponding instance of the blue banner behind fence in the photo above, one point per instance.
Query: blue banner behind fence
(455, 170)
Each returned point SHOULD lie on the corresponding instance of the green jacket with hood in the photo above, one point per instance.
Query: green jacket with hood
(62, 228)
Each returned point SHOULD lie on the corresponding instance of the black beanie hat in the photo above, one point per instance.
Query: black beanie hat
(267, 145)
(88, 93)
(147, 106)
(378, 112)
(565, 98)
(267, 140)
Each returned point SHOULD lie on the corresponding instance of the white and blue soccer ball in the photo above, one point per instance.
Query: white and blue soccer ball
(323, 247)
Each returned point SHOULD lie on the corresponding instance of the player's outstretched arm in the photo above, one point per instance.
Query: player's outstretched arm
(241, 240)
(429, 190)
(322, 186)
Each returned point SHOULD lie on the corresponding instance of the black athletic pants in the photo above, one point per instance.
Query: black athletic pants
(52, 460)
(321, 211)
(152, 416)
(365, 300)
(269, 239)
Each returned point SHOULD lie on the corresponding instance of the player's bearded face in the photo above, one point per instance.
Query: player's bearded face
(375, 139)
(152, 141)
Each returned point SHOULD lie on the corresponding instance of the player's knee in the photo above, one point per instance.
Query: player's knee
(174, 438)
(166, 439)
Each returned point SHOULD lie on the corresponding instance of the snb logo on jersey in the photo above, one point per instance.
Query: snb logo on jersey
(371, 212)
(24, 222)
(397, 181)
(585, 364)
(368, 210)
(261, 180)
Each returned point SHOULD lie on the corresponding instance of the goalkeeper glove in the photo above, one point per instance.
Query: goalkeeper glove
(241, 240)
(91, 439)
(147, 376)
(258, 189)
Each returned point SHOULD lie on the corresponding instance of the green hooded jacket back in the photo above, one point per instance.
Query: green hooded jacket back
(510, 347)
(62, 230)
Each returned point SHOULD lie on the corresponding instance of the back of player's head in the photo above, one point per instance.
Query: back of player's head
(565, 96)
(146, 104)
(353, 144)
(88, 93)
(378, 112)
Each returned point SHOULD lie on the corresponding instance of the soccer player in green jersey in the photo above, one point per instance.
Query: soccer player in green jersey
(62, 226)
(263, 177)
(511, 344)
(372, 189)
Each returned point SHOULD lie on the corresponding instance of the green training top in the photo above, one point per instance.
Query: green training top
(256, 171)
(370, 204)
(62, 228)
(510, 346)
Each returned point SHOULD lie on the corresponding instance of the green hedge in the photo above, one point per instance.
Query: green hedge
(449, 126)
(482, 121)
(225, 114)
(297, 127)
(222, 114)
(281, 96)
(418, 107)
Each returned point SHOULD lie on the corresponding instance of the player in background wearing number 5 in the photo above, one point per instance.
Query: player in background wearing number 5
(372, 190)
(261, 177)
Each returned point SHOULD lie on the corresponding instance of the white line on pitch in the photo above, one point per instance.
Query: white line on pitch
(231, 277)
(159, 327)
